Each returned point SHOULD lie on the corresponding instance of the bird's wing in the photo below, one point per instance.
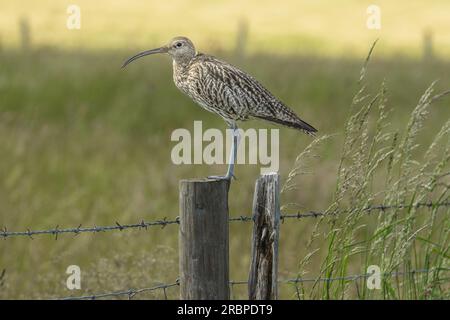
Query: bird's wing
(218, 88)
(243, 96)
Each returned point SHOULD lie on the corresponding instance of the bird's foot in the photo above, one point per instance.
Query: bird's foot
(225, 177)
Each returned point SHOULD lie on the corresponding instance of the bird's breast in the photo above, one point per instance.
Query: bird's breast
(186, 81)
(180, 77)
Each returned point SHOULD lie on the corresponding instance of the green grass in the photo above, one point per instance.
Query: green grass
(379, 165)
(84, 142)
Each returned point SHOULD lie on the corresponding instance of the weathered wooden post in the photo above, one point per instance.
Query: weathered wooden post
(262, 283)
(203, 239)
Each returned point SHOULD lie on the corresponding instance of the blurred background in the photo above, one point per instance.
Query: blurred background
(84, 142)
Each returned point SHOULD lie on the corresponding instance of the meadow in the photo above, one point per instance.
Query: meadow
(85, 142)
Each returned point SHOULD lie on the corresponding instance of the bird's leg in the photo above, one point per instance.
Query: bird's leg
(233, 155)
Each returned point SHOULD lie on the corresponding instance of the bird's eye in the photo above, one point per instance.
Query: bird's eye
(179, 44)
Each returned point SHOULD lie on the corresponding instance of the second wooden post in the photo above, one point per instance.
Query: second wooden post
(263, 277)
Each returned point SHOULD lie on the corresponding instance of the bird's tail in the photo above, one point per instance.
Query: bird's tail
(292, 122)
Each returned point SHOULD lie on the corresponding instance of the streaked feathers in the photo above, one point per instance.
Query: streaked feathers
(232, 93)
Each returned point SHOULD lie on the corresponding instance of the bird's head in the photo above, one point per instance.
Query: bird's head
(181, 49)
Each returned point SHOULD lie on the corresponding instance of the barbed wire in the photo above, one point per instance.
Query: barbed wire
(353, 277)
(164, 222)
(369, 209)
(130, 292)
(133, 292)
(56, 231)
(361, 276)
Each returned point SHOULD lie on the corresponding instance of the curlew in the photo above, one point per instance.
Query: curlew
(222, 88)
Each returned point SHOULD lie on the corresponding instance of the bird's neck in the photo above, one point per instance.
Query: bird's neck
(181, 63)
(179, 73)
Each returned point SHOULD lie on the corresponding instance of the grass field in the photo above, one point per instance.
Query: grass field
(316, 27)
(84, 142)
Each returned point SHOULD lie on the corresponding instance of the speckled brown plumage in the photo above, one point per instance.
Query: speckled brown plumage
(222, 88)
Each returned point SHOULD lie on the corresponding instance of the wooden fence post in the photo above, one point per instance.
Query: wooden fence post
(203, 239)
(262, 283)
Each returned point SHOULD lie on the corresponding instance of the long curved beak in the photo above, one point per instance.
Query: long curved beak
(143, 54)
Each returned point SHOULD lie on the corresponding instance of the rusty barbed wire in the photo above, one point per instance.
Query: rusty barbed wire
(164, 222)
(133, 292)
